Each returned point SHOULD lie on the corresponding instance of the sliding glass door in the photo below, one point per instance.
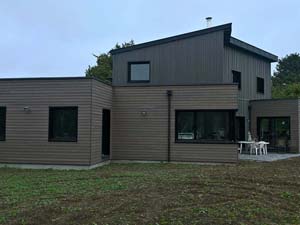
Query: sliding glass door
(276, 131)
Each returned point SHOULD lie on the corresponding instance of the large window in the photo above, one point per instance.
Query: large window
(139, 72)
(236, 78)
(63, 124)
(260, 83)
(205, 126)
(2, 123)
(275, 130)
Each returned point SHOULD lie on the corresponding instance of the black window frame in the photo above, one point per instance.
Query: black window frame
(50, 129)
(186, 141)
(129, 72)
(239, 82)
(260, 87)
(3, 137)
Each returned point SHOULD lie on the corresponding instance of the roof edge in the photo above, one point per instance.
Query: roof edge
(234, 42)
(56, 78)
(226, 27)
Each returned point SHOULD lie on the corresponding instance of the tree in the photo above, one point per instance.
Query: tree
(103, 69)
(287, 70)
(286, 78)
(286, 91)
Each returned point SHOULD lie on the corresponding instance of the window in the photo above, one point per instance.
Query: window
(276, 131)
(139, 72)
(63, 124)
(2, 123)
(260, 83)
(205, 126)
(236, 78)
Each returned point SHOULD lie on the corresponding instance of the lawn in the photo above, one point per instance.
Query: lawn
(246, 193)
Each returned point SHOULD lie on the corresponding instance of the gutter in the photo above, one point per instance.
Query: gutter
(169, 94)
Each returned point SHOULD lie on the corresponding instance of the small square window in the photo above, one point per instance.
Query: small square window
(138, 72)
(63, 124)
(236, 78)
(260, 83)
(2, 123)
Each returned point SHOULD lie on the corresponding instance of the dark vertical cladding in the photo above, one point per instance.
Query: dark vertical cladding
(193, 60)
(250, 67)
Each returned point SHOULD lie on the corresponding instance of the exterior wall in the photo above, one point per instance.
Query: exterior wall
(27, 133)
(250, 67)
(145, 137)
(101, 99)
(195, 60)
(278, 108)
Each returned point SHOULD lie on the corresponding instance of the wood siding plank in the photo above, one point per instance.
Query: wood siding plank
(144, 137)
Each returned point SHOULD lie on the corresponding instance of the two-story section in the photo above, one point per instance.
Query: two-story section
(186, 97)
(250, 68)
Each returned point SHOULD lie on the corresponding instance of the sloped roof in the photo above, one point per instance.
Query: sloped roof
(228, 40)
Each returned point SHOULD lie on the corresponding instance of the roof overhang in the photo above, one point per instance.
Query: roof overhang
(236, 43)
(225, 27)
(228, 40)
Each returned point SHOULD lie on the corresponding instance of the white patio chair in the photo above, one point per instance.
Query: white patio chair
(263, 147)
(240, 148)
(254, 148)
(249, 136)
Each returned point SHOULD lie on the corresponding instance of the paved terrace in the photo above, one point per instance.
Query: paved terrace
(267, 158)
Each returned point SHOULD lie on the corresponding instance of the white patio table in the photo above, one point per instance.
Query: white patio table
(252, 142)
(245, 143)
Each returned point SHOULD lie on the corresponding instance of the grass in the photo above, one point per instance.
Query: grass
(246, 193)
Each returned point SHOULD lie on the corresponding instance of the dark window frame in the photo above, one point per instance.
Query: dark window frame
(239, 82)
(3, 138)
(232, 116)
(260, 89)
(50, 129)
(129, 72)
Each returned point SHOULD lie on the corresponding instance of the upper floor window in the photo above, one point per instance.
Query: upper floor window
(2, 123)
(138, 71)
(236, 78)
(204, 126)
(260, 85)
(63, 124)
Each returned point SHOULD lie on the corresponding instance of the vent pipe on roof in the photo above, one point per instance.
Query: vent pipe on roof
(208, 21)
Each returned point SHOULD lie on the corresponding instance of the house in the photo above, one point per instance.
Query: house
(183, 98)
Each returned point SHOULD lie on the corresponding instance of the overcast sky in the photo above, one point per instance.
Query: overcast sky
(57, 38)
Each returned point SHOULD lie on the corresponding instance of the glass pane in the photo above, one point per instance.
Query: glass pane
(213, 126)
(265, 130)
(185, 122)
(282, 126)
(64, 124)
(139, 72)
(276, 131)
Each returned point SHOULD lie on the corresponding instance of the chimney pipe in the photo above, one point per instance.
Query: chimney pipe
(208, 21)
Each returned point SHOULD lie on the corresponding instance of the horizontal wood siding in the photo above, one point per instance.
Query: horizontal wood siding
(27, 133)
(144, 137)
(101, 99)
(193, 60)
(278, 108)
